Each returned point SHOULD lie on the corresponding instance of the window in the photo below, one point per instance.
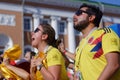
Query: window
(27, 24)
(61, 27)
(7, 20)
(45, 21)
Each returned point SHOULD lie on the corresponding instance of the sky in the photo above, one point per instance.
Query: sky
(113, 2)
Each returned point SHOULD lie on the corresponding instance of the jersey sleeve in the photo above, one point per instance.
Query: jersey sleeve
(54, 58)
(110, 43)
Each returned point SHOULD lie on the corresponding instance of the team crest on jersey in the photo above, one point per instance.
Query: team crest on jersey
(98, 47)
(90, 39)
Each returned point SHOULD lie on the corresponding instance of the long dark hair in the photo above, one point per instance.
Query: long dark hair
(48, 29)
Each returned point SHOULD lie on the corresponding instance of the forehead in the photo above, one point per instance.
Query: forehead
(40, 27)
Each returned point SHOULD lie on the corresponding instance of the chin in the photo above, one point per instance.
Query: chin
(33, 45)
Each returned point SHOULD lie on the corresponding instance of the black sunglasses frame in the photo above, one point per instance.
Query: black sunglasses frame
(36, 30)
(79, 12)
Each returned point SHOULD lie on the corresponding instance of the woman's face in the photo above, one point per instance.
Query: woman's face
(37, 37)
(27, 56)
(61, 46)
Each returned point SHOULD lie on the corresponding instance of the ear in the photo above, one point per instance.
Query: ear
(92, 18)
(44, 36)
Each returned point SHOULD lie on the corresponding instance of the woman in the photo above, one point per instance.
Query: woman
(52, 65)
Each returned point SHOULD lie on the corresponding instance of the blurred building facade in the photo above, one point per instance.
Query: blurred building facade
(18, 18)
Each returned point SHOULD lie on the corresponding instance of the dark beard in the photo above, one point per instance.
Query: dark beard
(81, 25)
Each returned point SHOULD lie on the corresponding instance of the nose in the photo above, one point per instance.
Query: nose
(74, 18)
(74, 15)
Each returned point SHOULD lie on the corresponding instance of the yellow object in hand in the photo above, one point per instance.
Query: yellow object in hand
(13, 53)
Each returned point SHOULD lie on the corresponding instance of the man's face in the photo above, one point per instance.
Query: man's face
(81, 19)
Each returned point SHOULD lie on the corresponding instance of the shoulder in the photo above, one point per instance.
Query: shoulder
(105, 30)
(107, 33)
(54, 56)
(53, 51)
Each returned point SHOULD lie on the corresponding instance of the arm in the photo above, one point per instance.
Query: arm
(112, 55)
(70, 55)
(33, 69)
(52, 73)
(20, 72)
(111, 67)
(32, 74)
(61, 47)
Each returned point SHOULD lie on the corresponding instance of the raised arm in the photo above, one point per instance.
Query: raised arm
(18, 71)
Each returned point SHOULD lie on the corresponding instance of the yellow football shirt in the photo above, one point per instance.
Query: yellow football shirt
(54, 57)
(90, 54)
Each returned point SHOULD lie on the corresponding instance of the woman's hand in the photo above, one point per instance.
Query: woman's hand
(38, 61)
(33, 62)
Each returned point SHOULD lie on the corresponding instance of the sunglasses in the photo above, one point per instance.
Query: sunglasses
(79, 12)
(36, 30)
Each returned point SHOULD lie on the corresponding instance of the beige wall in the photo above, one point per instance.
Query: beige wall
(14, 32)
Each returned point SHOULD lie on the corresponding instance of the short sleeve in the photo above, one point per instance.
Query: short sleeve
(54, 57)
(110, 42)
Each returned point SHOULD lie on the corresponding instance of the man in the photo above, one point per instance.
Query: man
(97, 56)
